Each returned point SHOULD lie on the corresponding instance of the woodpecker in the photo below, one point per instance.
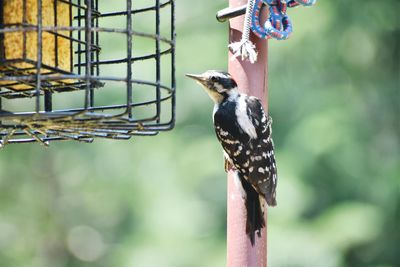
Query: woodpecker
(244, 131)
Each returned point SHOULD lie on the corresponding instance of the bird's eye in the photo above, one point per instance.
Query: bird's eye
(214, 79)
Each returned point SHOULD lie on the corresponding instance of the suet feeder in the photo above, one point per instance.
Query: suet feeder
(72, 69)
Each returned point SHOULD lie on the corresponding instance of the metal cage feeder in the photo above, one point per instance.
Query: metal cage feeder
(74, 70)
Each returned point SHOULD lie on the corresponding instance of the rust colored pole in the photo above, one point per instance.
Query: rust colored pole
(252, 79)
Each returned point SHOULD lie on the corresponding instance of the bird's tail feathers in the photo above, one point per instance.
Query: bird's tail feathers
(255, 215)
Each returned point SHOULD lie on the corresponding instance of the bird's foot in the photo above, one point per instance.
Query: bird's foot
(228, 166)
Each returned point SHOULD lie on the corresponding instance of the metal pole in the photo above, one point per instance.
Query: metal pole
(252, 79)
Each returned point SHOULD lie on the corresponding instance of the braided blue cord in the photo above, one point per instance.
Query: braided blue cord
(278, 26)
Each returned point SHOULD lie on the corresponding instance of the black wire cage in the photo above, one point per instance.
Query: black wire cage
(76, 70)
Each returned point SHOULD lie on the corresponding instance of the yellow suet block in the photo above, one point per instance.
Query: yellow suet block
(13, 42)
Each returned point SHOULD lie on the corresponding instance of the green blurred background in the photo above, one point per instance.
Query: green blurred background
(161, 201)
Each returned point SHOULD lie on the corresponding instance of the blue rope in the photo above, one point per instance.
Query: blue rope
(278, 26)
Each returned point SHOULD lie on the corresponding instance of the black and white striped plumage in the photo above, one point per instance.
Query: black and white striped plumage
(244, 131)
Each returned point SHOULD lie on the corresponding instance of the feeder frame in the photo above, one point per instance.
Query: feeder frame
(45, 121)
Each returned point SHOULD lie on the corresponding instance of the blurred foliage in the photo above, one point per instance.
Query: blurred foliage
(160, 201)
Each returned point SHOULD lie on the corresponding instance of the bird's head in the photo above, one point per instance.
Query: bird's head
(218, 84)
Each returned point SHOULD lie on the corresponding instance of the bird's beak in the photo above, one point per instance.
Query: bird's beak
(196, 77)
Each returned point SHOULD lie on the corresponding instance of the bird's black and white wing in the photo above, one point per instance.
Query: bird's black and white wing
(244, 130)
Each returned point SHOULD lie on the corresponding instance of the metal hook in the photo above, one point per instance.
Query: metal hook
(230, 13)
